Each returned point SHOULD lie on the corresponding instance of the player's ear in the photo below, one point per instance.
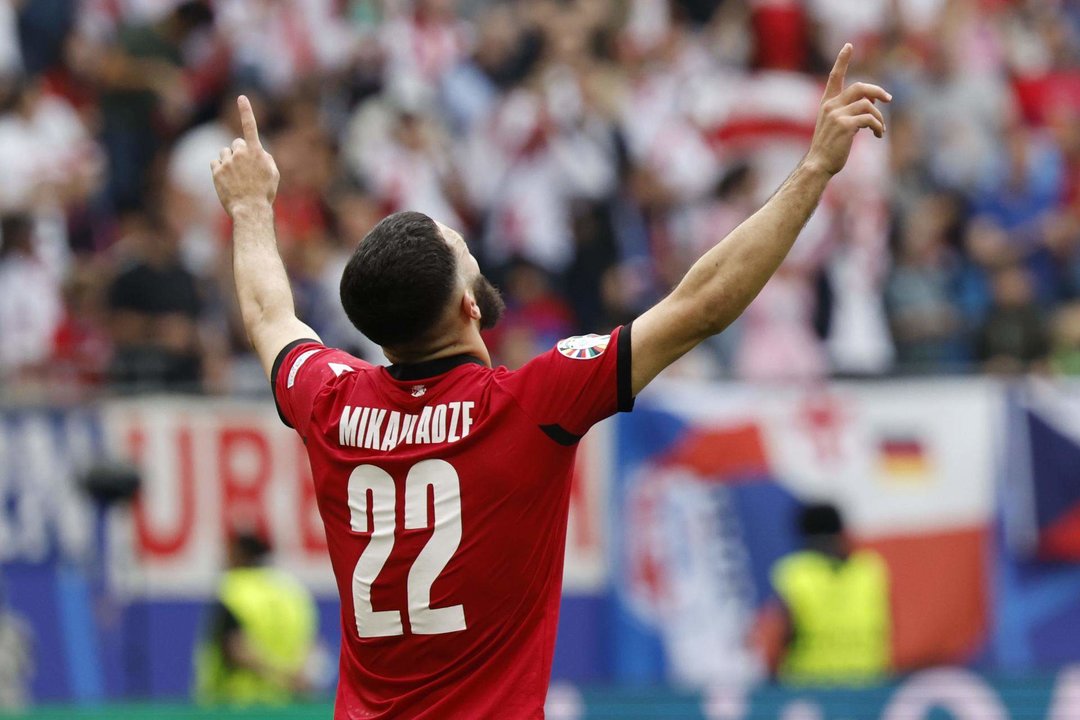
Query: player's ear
(469, 306)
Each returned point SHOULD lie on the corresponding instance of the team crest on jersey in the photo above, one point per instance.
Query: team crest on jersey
(418, 390)
(584, 347)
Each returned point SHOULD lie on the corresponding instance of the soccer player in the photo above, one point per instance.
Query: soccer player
(444, 483)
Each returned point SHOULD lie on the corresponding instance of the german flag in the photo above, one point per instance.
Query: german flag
(903, 459)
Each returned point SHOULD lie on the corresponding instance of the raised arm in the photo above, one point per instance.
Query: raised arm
(246, 179)
(720, 285)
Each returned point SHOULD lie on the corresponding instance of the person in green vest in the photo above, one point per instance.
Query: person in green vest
(261, 633)
(831, 621)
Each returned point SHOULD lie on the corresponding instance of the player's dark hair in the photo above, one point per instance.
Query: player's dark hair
(398, 281)
(821, 519)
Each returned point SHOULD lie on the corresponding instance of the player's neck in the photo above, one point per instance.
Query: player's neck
(469, 343)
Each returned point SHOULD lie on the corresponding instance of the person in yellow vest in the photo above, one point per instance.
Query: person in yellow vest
(261, 635)
(831, 622)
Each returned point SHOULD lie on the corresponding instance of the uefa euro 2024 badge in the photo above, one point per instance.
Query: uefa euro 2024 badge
(584, 347)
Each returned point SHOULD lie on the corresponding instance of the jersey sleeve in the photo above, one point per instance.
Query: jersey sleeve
(576, 384)
(301, 371)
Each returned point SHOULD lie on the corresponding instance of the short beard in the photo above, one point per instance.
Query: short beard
(490, 302)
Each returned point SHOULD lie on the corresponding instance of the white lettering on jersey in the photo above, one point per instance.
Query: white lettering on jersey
(455, 410)
(374, 429)
(390, 434)
(466, 417)
(407, 427)
(362, 427)
(423, 430)
(438, 424)
(350, 418)
(303, 358)
(338, 368)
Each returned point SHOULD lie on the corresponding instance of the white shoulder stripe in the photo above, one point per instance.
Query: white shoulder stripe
(296, 366)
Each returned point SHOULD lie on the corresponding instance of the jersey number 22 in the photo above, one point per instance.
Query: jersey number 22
(443, 479)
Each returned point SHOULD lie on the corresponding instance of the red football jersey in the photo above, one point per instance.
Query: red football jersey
(444, 488)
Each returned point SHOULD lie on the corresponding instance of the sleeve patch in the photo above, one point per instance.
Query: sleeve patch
(584, 347)
(303, 358)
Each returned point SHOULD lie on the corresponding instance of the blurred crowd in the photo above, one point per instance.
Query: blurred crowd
(589, 149)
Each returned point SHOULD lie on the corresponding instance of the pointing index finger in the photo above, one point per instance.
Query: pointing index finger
(839, 71)
(247, 122)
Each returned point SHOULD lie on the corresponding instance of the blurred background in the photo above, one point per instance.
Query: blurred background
(891, 425)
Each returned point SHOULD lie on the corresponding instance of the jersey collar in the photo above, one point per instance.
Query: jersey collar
(431, 368)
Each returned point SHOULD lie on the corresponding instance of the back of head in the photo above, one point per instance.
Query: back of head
(822, 529)
(820, 520)
(248, 548)
(399, 281)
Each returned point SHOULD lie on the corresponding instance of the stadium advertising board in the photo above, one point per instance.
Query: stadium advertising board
(207, 467)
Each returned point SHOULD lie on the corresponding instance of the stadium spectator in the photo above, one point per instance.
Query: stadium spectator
(1014, 337)
(30, 306)
(412, 167)
(779, 341)
(1018, 193)
(83, 349)
(277, 45)
(43, 29)
(535, 319)
(545, 146)
(57, 176)
(831, 622)
(261, 633)
(142, 79)
(955, 154)
(154, 306)
(423, 40)
(305, 151)
(926, 324)
(505, 50)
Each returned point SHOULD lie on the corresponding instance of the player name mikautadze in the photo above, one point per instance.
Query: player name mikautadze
(380, 429)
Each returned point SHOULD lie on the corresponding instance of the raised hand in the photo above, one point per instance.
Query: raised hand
(244, 173)
(844, 111)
